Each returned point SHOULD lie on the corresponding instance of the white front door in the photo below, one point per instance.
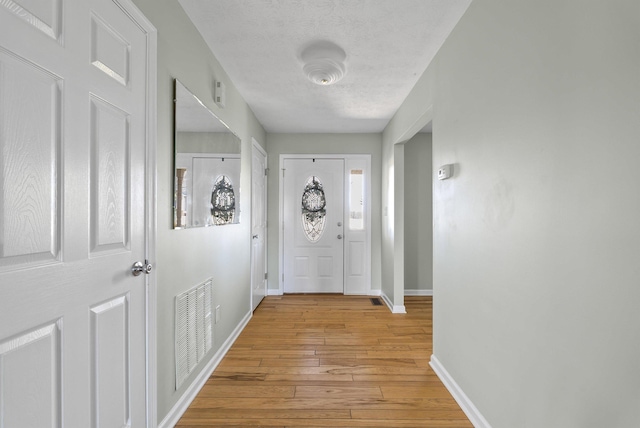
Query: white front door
(313, 225)
(258, 225)
(73, 134)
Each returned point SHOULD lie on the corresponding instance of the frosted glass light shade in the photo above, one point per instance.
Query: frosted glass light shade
(323, 62)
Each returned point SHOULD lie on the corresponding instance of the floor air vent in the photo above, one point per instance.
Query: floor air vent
(194, 333)
(376, 301)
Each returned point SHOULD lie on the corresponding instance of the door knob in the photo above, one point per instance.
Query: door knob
(139, 267)
(339, 224)
(339, 236)
(255, 236)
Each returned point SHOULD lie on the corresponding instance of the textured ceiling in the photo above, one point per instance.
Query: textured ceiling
(389, 44)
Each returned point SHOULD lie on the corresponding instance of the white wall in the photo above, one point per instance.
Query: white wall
(327, 144)
(418, 224)
(188, 257)
(536, 237)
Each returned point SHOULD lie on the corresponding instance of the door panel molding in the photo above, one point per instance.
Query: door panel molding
(110, 370)
(30, 203)
(34, 358)
(46, 16)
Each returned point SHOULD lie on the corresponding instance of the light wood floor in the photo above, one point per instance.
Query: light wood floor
(328, 361)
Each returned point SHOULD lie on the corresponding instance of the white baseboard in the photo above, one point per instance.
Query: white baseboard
(274, 292)
(386, 301)
(415, 292)
(395, 309)
(190, 394)
(399, 309)
(375, 293)
(461, 398)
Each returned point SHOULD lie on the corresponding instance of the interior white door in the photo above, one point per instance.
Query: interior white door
(72, 214)
(313, 225)
(258, 225)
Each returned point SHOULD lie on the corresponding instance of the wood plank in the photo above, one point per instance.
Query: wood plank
(290, 362)
(395, 378)
(239, 362)
(373, 341)
(363, 349)
(360, 362)
(302, 370)
(235, 391)
(422, 415)
(273, 353)
(310, 377)
(422, 391)
(321, 392)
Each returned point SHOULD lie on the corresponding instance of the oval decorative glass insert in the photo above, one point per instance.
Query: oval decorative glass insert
(223, 201)
(313, 209)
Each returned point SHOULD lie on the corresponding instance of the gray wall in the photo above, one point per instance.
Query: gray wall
(206, 142)
(188, 257)
(536, 237)
(321, 143)
(418, 224)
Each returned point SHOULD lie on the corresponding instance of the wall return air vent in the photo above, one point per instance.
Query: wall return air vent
(193, 330)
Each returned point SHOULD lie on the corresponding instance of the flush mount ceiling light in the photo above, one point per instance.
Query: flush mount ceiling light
(323, 62)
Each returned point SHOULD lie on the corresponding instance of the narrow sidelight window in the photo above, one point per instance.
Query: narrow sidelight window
(356, 199)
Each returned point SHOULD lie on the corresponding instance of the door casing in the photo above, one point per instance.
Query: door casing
(256, 147)
(353, 284)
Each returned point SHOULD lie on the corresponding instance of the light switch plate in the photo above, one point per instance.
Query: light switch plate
(445, 171)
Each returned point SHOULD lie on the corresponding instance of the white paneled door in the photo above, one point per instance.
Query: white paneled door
(258, 225)
(73, 134)
(313, 225)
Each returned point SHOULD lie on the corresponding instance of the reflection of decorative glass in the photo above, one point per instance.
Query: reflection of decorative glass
(313, 209)
(180, 198)
(223, 201)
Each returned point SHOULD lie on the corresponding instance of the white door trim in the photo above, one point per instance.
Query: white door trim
(258, 147)
(396, 301)
(366, 158)
(150, 203)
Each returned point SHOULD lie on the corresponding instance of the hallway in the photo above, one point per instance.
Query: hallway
(328, 361)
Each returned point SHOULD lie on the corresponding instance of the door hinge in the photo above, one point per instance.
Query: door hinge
(282, 277)
(283, 172)
(266, 171)
(266, 275)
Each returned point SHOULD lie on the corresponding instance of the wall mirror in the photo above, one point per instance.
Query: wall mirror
(207, 165)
